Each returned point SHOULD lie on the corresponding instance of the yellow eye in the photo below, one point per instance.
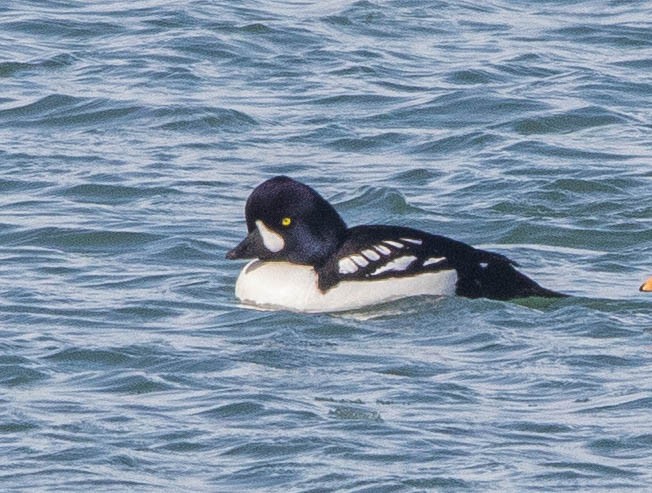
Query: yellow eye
(286, 221)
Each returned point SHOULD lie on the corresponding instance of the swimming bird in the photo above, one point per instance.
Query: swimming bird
(647, 285)
(307, 259)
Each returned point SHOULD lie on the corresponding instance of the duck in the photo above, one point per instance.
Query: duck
(303, 257)
(646, 286)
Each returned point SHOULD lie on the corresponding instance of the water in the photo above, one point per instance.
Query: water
(131, 134)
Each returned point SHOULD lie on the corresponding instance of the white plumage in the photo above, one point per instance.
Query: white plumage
(294, 287)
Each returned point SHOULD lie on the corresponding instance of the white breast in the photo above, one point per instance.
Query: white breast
(294, 287)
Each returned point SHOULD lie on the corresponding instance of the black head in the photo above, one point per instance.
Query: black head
(288, 220)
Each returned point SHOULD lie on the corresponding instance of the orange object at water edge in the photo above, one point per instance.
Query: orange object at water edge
(647, 285)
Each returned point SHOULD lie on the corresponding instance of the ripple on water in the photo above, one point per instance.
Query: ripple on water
(383, 201)
(15, 372)
(204, 120)
(568, 121)
(100, 193)
(58, 110)
(11, 68)
(624, 447)
(79, 240)
(132, 134)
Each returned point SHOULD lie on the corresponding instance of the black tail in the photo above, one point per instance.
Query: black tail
(494, 276)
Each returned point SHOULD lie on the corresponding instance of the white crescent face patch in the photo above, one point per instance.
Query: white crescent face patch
(273, 241)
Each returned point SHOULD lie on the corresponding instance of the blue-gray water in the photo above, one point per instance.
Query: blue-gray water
(131, 134)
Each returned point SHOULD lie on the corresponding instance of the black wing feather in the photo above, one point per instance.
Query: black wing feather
(480, 273)
(381, 252)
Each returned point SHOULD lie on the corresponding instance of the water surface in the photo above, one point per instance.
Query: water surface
(131, 134)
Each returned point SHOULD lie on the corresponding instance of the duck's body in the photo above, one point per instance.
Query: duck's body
(294, 287)
(310, 261)
(647, 285)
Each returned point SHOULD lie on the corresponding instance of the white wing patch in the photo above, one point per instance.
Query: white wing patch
(399, 264)
(359, 260)
(433, 260)
(347, 266)
(370, 254)
(382, 249)
(351, 263)
(395, 244)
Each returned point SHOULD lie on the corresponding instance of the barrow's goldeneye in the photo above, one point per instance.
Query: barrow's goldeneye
(647, 285)
(307, 259)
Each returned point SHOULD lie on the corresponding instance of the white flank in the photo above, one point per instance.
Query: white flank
(282, 285)
(412, 240)
(395, 244)
(398, 264)
(433, 260)
(273, 241)
(370, 254)
(347, 266)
